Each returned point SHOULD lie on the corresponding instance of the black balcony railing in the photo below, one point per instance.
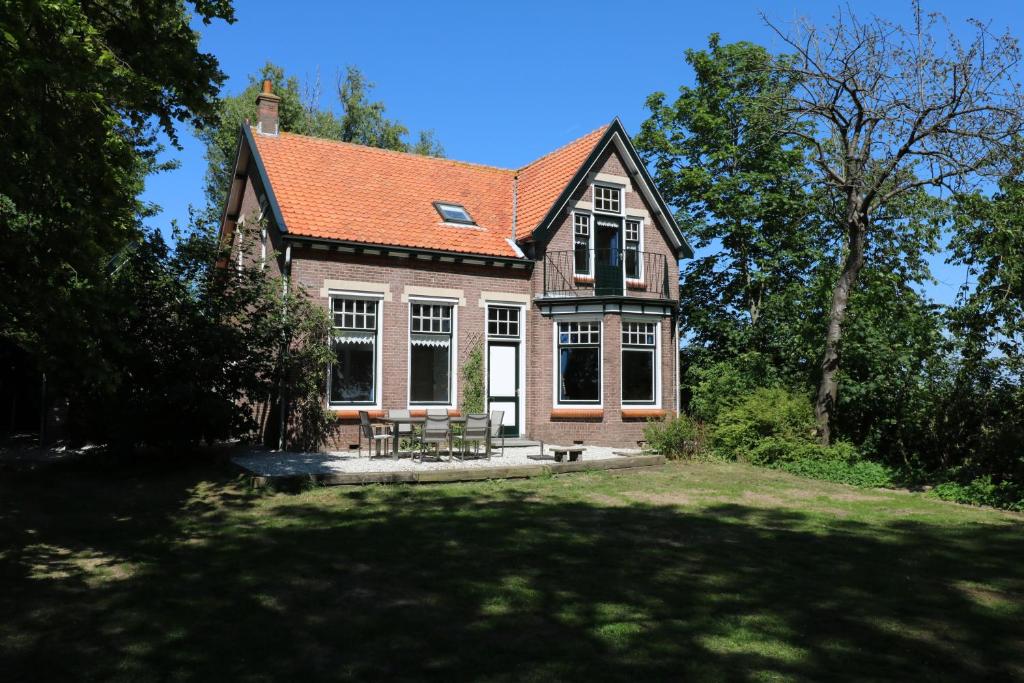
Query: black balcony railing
(606, 272)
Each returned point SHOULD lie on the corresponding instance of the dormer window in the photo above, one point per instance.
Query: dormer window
(607, 199)
(454, 213)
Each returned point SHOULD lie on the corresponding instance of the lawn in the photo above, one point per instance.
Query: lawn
(694, 571)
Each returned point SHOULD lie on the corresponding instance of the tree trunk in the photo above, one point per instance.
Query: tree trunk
(828, 389)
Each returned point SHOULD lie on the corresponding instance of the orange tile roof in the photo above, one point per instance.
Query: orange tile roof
(541, 181)
(337, 190)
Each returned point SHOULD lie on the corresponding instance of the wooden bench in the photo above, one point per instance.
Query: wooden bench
(574, 454)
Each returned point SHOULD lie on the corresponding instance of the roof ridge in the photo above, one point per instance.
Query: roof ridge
(398, 153)
(559, 149)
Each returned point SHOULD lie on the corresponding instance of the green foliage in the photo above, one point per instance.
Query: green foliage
(195, 351)
(983, 491)
(361, 121)
(675, 437)
(86, 88)
(743, 194)
(858, 472)
(765, 413)
(718, 386)
(472, 379)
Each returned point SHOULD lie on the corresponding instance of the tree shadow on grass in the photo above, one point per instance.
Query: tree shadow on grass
(184, 577)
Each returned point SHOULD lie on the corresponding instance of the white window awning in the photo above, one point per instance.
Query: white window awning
(353, 337)
(438, 340)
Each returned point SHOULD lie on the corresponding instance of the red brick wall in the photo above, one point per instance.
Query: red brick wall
(611, 428)
(310, 267)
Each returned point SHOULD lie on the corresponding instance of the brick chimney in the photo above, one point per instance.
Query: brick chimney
(266, 111)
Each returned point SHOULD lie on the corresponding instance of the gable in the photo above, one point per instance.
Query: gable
(628, 164)
(609, 170)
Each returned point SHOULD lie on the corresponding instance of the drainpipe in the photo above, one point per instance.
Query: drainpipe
(285, 277)
(515, 203)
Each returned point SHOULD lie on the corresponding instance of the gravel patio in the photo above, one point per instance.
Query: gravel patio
(351, 467)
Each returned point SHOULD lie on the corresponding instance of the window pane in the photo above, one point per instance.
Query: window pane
(632, 261)
(579, 374)
(637, 375)
(428, 377)
(352, 373)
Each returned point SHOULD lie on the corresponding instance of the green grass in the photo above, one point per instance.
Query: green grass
(697, 571)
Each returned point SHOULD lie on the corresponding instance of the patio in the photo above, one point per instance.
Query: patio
(350, 467)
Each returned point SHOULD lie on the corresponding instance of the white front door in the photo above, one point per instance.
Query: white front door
(503, 383)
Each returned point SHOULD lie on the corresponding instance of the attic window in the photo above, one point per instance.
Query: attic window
(454, 213)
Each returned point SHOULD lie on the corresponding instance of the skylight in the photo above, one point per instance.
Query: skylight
(454, 213)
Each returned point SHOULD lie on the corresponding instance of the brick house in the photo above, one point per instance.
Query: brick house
(565, 271)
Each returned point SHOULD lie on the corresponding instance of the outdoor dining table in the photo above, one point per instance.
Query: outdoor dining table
(419, 420)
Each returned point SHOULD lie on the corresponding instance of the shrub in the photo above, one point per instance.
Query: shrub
(676, 437)
(855, 472)
(720, 386)
(473, 379)
(773, 414)
(983, 491)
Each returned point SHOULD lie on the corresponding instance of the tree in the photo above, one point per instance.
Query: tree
(86, 87)
(195, 349)
(361, 121)
(892, 111)
(739, 188)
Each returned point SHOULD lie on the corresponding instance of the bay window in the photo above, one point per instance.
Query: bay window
(354, 339)
(430, 355)
(579, 362)
(639, 362)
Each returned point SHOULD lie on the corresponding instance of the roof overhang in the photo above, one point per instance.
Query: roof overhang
(412, 253)
(616, 136)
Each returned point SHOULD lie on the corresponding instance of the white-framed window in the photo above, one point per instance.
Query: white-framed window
(431, 335)
(355, 339)
(632, 242)
(503, 321)
(640, 367)
(608, 198)
(578, 362)
(582, 240)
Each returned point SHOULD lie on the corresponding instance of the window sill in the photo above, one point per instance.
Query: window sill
(353, 414)
(589, 279)
(637, 413)
(577, 413)
(422, 412)
(636, 284)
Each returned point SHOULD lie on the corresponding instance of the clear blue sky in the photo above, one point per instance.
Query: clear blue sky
(503, 83)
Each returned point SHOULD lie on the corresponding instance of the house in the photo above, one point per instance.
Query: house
(564, 271)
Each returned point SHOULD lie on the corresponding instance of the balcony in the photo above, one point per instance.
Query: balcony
(606, 273)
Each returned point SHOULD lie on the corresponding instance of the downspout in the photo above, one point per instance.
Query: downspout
(515, 203)
(285, 277)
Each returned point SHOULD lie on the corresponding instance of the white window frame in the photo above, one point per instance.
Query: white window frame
(640, 247)
(590, 243)
(555, 399)
(609, 186)
(650, 320)
(453, 350)
(377, 350)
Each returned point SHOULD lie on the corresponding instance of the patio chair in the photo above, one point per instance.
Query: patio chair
(497, 430)
(375, 434)
(437, 412)
(402, 431)
(436, 430)
(475, 431)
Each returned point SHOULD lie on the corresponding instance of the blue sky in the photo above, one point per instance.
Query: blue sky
(503, 83)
